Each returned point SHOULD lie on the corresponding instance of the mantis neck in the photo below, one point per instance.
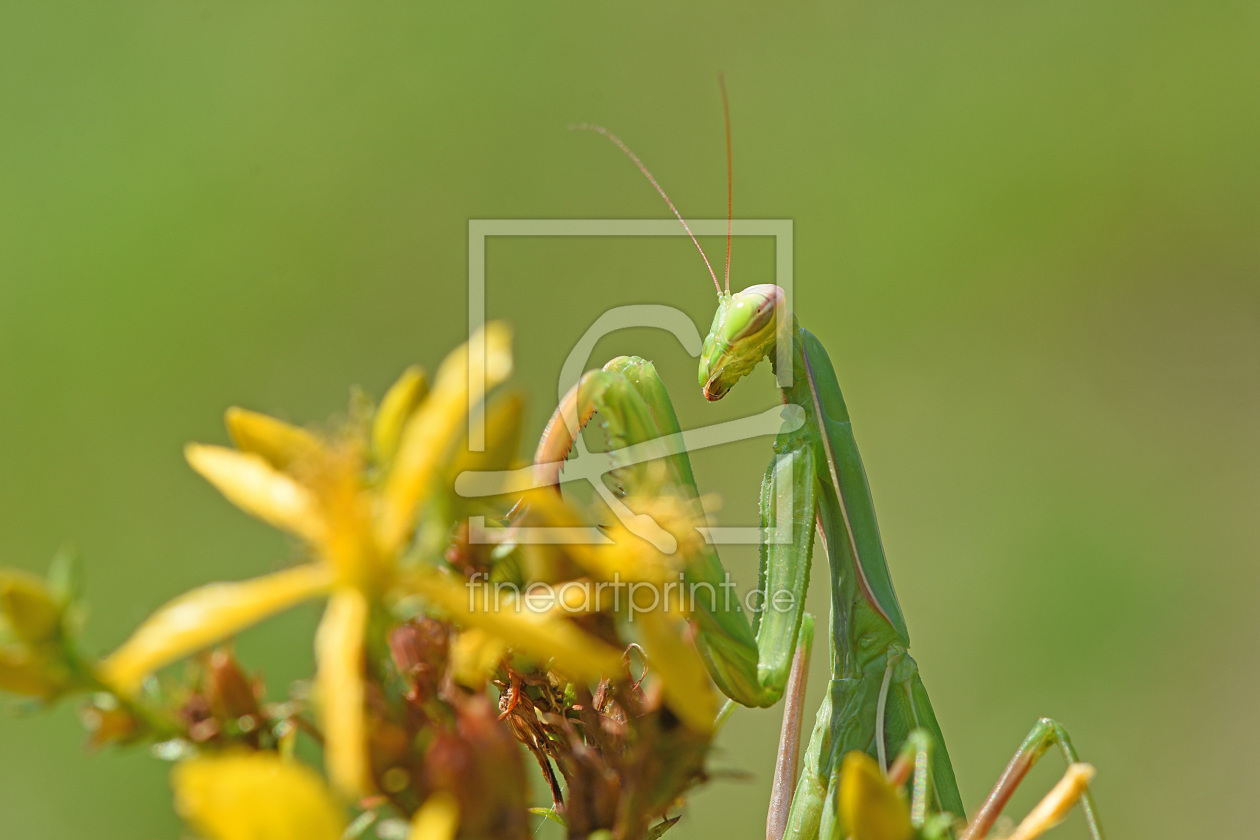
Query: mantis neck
(797, 392)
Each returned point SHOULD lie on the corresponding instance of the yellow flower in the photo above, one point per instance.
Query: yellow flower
(255, 796)
(870, 807)
(656, 600)
(205, 615)
(355, 502)
(546, 636)
(327, 493)
(339, 678)
(674, 658)
(437, 818)
(475, 655)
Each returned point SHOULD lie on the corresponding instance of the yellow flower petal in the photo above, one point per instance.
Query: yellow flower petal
(205, 615)
(539, 635)
(474, 657)
(279, 443)
(437, 818)
(625, 557)
(671, 657)
(426, 437)
(257, 488)
(396, 408)
(255, 796)
(870, 808)
(339, 680)
(1054, 808)
(504, 414)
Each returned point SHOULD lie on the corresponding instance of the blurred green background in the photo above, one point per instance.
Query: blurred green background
(1028, 233)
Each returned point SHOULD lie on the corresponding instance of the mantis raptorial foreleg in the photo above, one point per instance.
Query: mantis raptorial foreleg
(749, 663)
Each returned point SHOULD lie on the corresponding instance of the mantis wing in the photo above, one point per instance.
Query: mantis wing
(877, 684)
(846, 477)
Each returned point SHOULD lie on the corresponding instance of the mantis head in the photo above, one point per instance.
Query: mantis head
(745, 325)
(743, 333)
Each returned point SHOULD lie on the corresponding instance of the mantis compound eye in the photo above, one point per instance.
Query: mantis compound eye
(753, 310)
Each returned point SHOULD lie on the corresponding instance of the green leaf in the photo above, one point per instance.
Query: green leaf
(661, 827)
(65, 575)
(550, 814)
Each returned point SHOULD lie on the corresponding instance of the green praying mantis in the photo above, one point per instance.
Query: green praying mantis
(875, 703)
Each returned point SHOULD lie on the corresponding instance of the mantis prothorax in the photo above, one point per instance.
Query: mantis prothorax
(875, 698)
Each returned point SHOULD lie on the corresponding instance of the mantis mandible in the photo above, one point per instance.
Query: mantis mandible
(875, 698)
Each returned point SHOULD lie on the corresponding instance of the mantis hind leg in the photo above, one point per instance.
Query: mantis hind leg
(913, 765)
(1045, 734)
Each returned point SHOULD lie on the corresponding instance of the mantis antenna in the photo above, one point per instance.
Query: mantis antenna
(730, 179)
(599, 129)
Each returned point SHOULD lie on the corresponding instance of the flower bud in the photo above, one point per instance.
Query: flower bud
(396, 408)
(107, 722)
(23, 673)
(869, 804)
(229, 691)
(419, 649)
(29, 607)
(281, 444)
(480, 764)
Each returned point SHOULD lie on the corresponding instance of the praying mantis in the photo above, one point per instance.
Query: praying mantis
(875, 703)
